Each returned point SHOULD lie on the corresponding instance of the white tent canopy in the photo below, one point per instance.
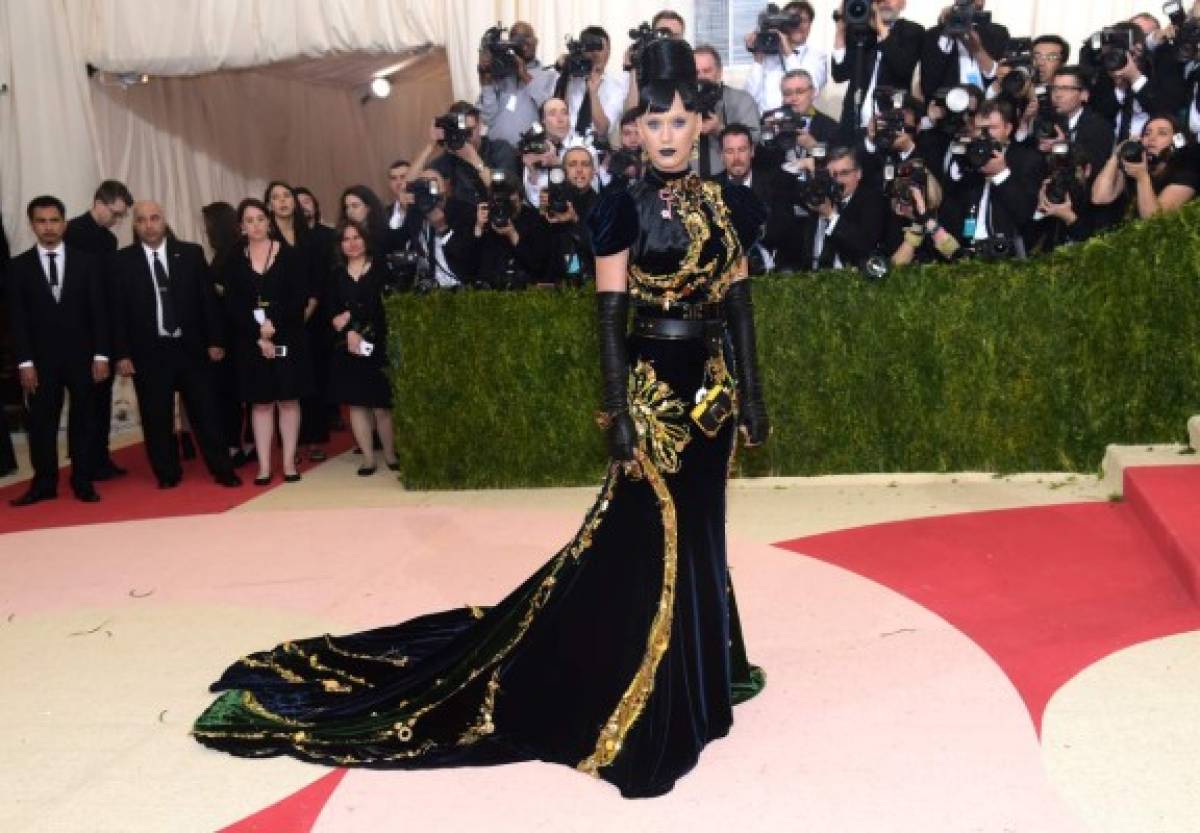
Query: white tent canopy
(235, 99)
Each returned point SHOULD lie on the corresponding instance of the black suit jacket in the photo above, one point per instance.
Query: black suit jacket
(63, 334)
(859, 232)
(86, 234)
(939, 69)
(135, 335)
(461, 250)
(1094, 133)
(901, 52)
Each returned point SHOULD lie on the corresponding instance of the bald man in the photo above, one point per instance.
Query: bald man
(167, 336)
(509, 103)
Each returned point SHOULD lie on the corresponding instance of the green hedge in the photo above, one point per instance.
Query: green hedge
(1031, 366)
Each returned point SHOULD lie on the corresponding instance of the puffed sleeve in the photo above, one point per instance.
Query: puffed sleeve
(748, 212)
(613, 222)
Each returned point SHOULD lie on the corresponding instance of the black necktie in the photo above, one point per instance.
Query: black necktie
(164, 296)
(1126, 120)
(583, 121)
(53, 270)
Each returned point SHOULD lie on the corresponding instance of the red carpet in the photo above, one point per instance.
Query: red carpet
(1045, 591)
(136, 496)
(1167, 500)
(295, 814)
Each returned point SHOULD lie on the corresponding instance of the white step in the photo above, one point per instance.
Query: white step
(1117, 458)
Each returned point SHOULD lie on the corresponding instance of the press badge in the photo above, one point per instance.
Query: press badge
(511, 106)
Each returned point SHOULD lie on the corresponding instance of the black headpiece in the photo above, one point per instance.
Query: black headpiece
(667, 67)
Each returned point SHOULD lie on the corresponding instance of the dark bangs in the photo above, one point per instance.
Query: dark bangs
(659, 97)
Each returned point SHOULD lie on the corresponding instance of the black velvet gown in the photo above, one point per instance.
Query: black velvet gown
(622, 655)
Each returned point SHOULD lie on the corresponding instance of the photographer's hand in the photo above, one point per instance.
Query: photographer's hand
(1129, 73)
(267, 347)
(785, 45)
(341, 321)
(353, 343)
(750, 38)
(881, 29)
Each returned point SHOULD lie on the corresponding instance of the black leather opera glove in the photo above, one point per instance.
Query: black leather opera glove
(612, 313)
(739, 317)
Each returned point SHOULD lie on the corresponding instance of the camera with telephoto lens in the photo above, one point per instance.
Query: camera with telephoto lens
(427, 195)
(534, 140)
(889, 118)
(906, 176)
(504, 52)
(1061, 181)
(405, 270)
(780, 128)
(1133, 152)
(857, 16)
(641, 37)
(963, 18)
(1017, 83)
(578, 63)
(500, 208)
(815, 188)
(708, 96)
(996, 247)
(454, 130)
(956, 103)
(558, 191)
(772, 22)
(976, 153)
(1113, 44)
(1047, 122)
(1187, 31)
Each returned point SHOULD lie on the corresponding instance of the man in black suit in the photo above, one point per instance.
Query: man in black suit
(738, 159)
(167, 335)
(403, 217)
(1078, 123)
(445, 236)
(91, 232)
(884, 54)
(849, 230)
(60, 330)
(998, 199)
(946, 57)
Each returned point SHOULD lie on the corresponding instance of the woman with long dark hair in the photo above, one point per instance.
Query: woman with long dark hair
(622, 656)
(267, 284)
(360, 204)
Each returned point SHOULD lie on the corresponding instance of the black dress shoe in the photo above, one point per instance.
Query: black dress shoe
(262, 480)
(108, 471)
(33, 496)
(318, 455)
(292, 478)
(366, 471)
(393, 466)
(228, 478)
(86, 494)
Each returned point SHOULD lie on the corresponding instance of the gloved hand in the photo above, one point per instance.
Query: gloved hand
(612, 314)
(739, 316)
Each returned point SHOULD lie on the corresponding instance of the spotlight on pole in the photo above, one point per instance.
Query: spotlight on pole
(381, 88)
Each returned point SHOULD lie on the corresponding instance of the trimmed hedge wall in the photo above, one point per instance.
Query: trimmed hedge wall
(1029, 366)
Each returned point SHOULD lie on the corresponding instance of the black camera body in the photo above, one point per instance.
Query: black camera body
(1017, 84)
(814, 189)
(780, 127)
(504, 52)
(455, 131)
(641, 37)
(908, 175)
(558, 191)
(1133, 152)
(771, 22)
(963, 18)
(533, 140)
(427, 195)
(857, 16)
(626, 164)
(500, 192)
(976, 153)
(405, 270)
(578, 64)
(1113, 44)
(1187, 31)
(708, 96)
(1061, 182)
(996, 247)
(1047, 122)
(889, 118)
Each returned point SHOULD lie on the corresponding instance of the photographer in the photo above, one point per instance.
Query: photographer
(467, 158)
(1065, 213)
(1050, 54)
(851, 219)
(892, 136)
(512, 84)
(1124, 89)
(776, 51)
(964, 48)
(1075, 122)
(1159, 173)
(513, 239)
(566, 203)
(873, 46)
(993, 188)
(732, 107)
(914, 234)
(541, 146)
(594, 101)
(444, 238)
(737, 154)
(797, 127)
(403, 218)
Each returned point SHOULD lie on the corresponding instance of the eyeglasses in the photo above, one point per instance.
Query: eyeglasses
(1060, 88)
(842, 174)
(1046, 57)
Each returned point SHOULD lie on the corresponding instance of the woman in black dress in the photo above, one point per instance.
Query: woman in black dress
(358, 372)
(360, 204)
(288, 225)
(1160, 181)
(622, 656)
(268, 290)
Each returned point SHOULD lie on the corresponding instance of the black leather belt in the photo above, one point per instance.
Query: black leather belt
(677, 329)
(682, 311)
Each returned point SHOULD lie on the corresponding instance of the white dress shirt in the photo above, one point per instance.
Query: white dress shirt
(60, 266)
(397, 218)
(612, 100)
(763, 80)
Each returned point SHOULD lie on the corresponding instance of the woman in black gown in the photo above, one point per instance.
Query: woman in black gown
(358, 371)
(622, 656)
(268, 289)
